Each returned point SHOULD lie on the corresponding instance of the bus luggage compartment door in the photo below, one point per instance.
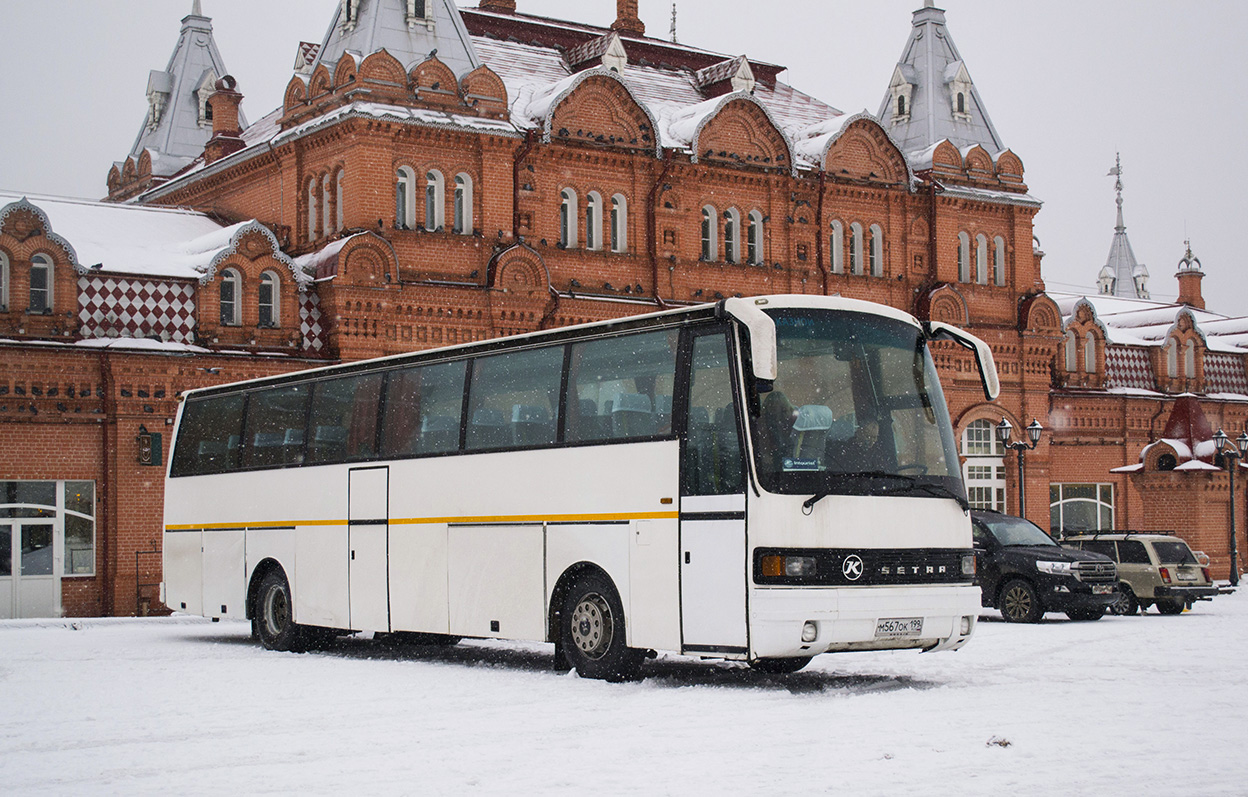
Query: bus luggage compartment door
(368, 538)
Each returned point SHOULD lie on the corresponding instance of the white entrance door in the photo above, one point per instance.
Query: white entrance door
(368, 516)
(30, 584)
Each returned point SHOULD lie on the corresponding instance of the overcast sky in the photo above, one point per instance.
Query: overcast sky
(1068, 83)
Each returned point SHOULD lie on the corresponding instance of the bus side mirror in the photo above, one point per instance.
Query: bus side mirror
(762, 329)
(938, 330)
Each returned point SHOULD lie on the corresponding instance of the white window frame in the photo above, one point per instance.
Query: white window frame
(998, 262)
(981, 259)
(875, 251)
(1057, 520)
(43, 262)
(405, 198)
(1089, 353)
(4, 282)
(964, 257)
(435, 201)
(855, 249)
(463, 204)
(981, 449)
(838, 247)
(1189, 359)
(1071, 347)
(710, 234)
(272, 283)
(313, 187)
(754, 239)
(732, 236)
(338, 211)
(593, 221)
(619, 224)
(568, 218)
(231, 277)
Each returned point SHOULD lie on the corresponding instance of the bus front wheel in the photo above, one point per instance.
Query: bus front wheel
(273, 614)
(592, 631)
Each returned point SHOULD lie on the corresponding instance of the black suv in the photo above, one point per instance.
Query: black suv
(1024, 573)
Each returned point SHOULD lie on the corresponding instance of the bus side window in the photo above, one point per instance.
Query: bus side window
(423, 410)
(513, 399)
(621, 388)
(274, 427)
(208, 437)
(343, 424)
(712, 456)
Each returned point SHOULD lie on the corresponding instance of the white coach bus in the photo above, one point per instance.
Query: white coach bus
(763, 479)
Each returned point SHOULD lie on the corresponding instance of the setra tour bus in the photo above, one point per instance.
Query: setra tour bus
(763, 479)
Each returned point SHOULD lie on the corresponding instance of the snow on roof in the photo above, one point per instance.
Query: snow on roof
(1143, 322)
(130, 239)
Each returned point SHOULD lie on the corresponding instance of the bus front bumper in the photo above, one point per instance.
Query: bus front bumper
(860, 618)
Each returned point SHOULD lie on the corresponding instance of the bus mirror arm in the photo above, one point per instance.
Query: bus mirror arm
(762, 333)
(937, 330)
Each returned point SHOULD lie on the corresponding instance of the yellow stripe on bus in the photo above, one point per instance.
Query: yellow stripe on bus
(594, 518)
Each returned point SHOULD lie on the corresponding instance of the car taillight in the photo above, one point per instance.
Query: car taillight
(1205, 572)
(1165, 574)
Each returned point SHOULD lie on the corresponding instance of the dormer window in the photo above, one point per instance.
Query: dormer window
(350, 14)
(901, 89)
(961, 102)
(203, 90)
(901, 106)
(959, 82)
(419, 13)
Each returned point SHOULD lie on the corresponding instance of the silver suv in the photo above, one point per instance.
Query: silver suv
(1153, 568)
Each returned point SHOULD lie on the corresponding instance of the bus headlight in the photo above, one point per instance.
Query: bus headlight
(792, 566)
(968, 564)
(966, 626)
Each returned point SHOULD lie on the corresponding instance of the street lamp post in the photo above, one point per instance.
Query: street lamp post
(1232, 454)
(1034, 429)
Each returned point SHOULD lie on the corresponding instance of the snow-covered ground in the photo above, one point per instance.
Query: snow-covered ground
(1127, 705)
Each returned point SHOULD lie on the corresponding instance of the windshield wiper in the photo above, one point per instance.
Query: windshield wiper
(911, 484)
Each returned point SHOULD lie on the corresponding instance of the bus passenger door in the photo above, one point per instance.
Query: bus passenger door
(368, 542)
(712, 505)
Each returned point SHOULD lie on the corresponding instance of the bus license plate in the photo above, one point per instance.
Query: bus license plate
(1102, 589)
(899, 626)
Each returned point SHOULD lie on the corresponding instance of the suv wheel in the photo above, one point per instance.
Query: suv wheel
(1020, 603)
(1126, 603)
(1172, 607)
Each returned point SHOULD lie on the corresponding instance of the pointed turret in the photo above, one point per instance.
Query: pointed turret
(409, 30)
(1189, 276)
(179, 117)
(931, 96)
(1121, 274)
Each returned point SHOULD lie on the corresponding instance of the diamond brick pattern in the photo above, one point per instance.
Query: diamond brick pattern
(1224, 373)
(310, 322)
(1129, 367)
(112, 307)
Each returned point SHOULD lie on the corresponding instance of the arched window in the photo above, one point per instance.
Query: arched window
(327, 205)
(901, 105)
(1089, 353)
(961, 102)
(593, 220)
(984, 470)
(435, 201)
(998, 260)
(267, 297)
(732, 236)
(405, 198)
(964, 257)
(619, 223)
(837, 245)
(312, 216)
(567, 218)
(754, 239)
(338, 209)
(1189, 360)
(981, 260)
(855, 248)
(40, 284)
(4, 282)
(1072, 346)
(231, 293)
(875, 251)
(463, 204)
(710, 238)
(1172, 358)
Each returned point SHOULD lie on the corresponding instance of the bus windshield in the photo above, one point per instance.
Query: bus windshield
(856, 409)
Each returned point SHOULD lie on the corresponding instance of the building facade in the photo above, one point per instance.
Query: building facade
(439, 175)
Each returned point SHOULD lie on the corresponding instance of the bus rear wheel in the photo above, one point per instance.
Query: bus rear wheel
(592, 631)
(273, 614)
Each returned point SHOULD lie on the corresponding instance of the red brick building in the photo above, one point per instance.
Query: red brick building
(438, 175)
